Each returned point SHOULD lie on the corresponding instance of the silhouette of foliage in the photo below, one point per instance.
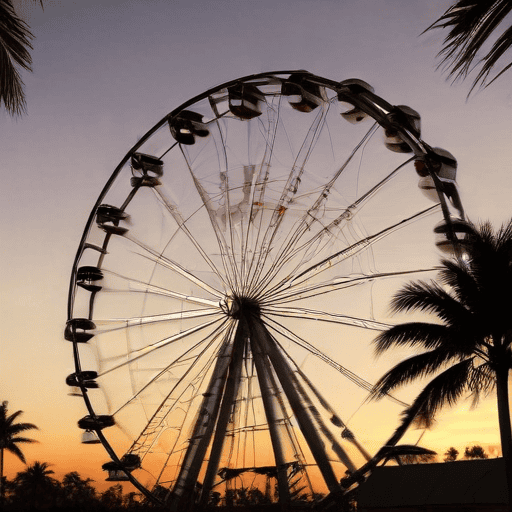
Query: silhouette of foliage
(423, 458)
(36, 487)
(15, 46)
(451, 454)
(77, 493)
(472, 25)
(475, 452)
(467, 351)
(10, 438)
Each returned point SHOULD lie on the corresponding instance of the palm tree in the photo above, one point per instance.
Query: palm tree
(475, 452)
(15, 46)
(472, 25)
(468, 349)
(9, 438)
(451, 454)
(35, 487)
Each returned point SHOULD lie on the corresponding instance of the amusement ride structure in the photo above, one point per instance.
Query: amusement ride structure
(234, 270)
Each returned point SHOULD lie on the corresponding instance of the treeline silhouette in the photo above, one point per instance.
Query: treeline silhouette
(36, 489)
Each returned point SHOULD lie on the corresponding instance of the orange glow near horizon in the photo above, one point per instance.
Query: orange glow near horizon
(458, 427)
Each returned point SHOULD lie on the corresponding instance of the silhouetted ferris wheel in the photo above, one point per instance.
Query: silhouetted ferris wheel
(234, 267)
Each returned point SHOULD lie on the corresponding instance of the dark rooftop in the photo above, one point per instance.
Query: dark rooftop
(447, 483)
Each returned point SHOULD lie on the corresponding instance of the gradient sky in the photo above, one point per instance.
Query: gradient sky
(106, 71)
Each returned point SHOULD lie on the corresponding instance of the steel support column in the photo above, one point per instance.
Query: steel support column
(226, 409)
(307, 427)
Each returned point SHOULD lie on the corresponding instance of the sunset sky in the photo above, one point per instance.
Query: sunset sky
(104, 72)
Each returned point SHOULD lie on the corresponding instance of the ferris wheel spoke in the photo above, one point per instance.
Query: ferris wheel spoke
(291, 187)
(225, 211)
(311, 214)
(163, 261)
(137, 354)
(149, 435)
(338, 283)
(327, 233)
(182, 224)
(137, 286)
(185, 357)
(354, 249)
(356, 379)
(258, 189)
(115, 324)
(226, 254)
(291, 336)
(321, 316)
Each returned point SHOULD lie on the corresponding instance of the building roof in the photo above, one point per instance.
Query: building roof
(459, 482)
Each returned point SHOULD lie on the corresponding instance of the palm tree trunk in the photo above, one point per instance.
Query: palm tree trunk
(505, 426)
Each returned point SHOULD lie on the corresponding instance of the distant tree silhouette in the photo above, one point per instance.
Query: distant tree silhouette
(132, 500)
(36, 487)
(113, 497)
(451, 454)
(475, 452)
(10, 438)
(77, 492)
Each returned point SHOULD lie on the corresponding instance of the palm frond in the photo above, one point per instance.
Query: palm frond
(445, 389)
(458, 277)
(482, 381)
(423, 335)
(408, 370)
(471, 23)
(15, 46)
(9, 430)
(16, 451)
(9, 420)
(500, 47)
(17, 440)
(505, 233)
(20, 427)
(429, 298)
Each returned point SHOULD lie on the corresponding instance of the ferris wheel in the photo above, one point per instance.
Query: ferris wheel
(231, 276)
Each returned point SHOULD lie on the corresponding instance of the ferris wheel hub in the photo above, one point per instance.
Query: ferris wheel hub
(237, 306)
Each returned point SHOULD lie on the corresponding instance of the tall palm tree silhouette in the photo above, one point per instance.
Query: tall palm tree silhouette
(10, 438)
(36, 486)
(474, 25)
(15, 46)
(468, 350)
